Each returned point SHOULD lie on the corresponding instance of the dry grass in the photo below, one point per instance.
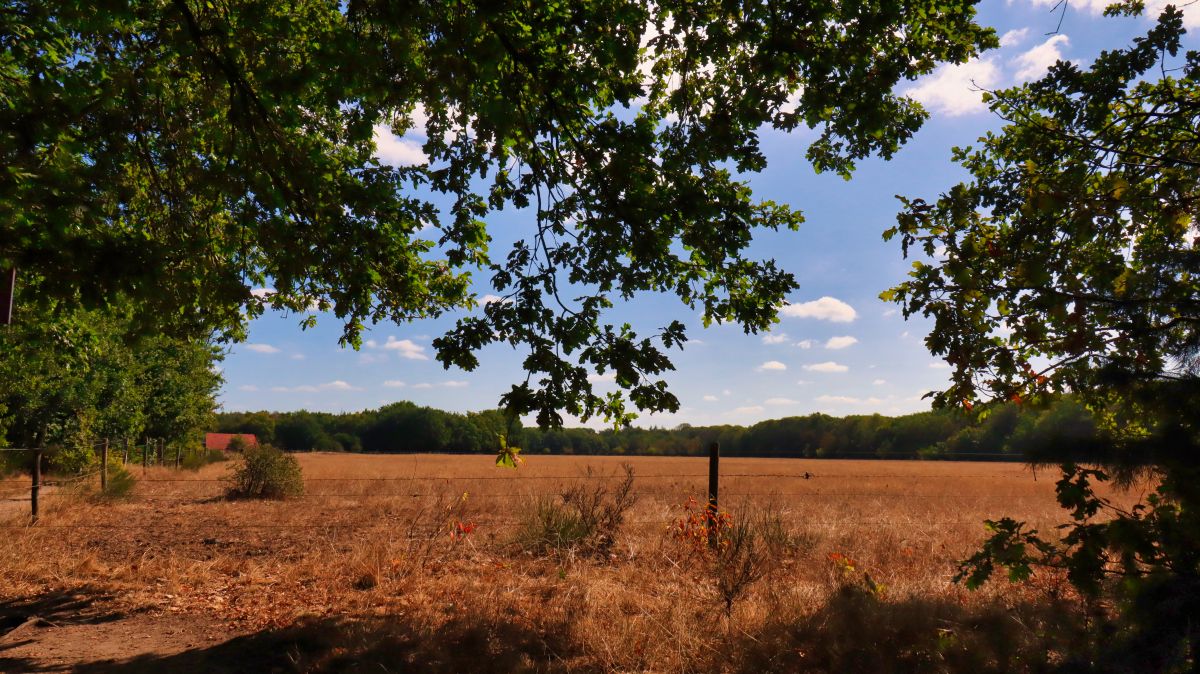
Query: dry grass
(373, 561)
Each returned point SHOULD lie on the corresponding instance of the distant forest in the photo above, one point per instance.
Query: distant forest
(1061, 430)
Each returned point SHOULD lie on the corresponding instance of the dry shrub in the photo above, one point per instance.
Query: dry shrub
(585, 517)
(266, 472)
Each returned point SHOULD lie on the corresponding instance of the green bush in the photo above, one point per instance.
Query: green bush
(585, 517)
(120, 481)
(266, 472)
(197, 459)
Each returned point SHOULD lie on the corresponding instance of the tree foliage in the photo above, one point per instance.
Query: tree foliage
(1077, 235)
(182, 154)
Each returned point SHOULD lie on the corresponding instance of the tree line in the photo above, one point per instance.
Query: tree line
(1062, 429)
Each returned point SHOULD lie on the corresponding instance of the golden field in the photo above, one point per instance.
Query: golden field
(423, 563)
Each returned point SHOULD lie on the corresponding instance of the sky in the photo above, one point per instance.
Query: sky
(837, 348)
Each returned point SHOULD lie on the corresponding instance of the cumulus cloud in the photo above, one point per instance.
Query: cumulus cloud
(445, 384)
(607, 377)
(406, 347)
(1034, 63)
(825, 309)
(261, 348)
(394, 383)
(1191, 10)
(262, 293)
(489, 299)
(297, 356)
(939, 365)
(879, 382)
(780, 338)
(1014, 37)
(848, 400)
(781, 402)
(840, 342)
(396, 151)
(710, 399)
(806, 343)
(955, 89)
(335, 385)
(749, 409)
(771, 366)
(249, 388)
(827, 366)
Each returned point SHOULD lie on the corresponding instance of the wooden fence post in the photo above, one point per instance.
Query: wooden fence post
(104, 467)
(125, 458)
(714, 459)
(36, 488)
(145, 455)
(178, 449)
(162, 445)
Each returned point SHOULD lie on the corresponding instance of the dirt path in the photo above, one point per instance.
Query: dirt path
(75, 633)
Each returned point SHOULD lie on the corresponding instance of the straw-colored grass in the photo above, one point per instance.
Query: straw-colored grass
(409, 560)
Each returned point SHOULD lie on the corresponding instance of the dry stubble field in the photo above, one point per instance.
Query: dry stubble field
(412, 563)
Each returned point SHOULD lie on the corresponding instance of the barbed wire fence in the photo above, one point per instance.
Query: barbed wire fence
(803, 485)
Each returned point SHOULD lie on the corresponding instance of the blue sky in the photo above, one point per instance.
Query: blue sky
(837, 349)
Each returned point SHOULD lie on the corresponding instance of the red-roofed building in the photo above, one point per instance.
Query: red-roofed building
(221, 440)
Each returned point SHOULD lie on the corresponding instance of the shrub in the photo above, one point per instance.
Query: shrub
(585, 517)
(197, 459)
(120, 481)
(266, 472)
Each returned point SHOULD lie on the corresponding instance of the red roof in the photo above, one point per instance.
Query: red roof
(222, 440)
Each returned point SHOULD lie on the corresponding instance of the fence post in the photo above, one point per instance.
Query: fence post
(125, 458)
(178, 448)
(714, 459)
(104, 467)
(36, 488)
(162, 445)
(145, 455)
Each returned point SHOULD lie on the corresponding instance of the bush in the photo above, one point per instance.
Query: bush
(266, 472)
(197, 459)
(120, 481)
(585, 517)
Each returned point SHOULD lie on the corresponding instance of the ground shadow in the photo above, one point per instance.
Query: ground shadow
(466, 644)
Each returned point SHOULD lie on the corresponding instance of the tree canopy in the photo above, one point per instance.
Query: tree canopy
(1071, 262)
(179, 155)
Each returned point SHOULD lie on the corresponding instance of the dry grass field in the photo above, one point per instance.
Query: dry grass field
(435, 563)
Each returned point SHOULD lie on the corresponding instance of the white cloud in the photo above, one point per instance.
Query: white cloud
(335, 385)
(710, 399)
(780, 338)
(394, 383)
(262, 293)
(695, 342)
(726, 392)
(848, 400)
(371, 344)
(297, 356)
(781, 402)
(489, 299)
(825, 309)
(1014, 37)
(1191, 10)
(827, 366)
(955, 89)
(602, 378)
(771, 366)
(889, 313)
(879, 382)
(1034, 63)
(939, 365)
(840, 342)
(406, 347)
(261, 348)
(249, 388)
(455, 384)
(371, 358)
(423, 385)
(397, 151)
(806, 344)
(749, 409)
